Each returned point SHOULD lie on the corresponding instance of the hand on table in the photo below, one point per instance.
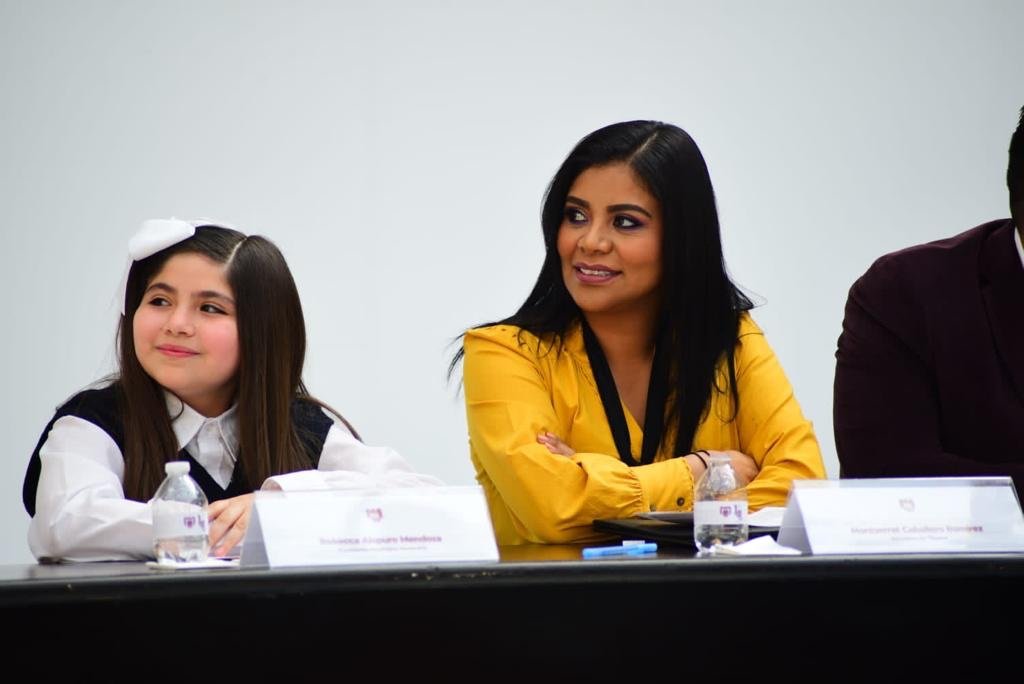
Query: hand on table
(229, 519)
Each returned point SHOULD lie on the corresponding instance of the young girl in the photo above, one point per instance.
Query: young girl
(211, 347)
(633, 358)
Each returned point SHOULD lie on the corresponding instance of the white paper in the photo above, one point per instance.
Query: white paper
(758, 546)
(340, 527)
(194, 565)
(669, 516)
(906, 515)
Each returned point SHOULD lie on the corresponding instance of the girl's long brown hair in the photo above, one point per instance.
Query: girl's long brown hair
(272, 350)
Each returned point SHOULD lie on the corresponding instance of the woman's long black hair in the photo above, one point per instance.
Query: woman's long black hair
(701, 306)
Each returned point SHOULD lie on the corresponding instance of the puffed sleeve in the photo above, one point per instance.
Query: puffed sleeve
(81, 511)
(772, 428)
(548, 497)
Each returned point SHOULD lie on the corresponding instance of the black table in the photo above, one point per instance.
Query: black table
(542, 610)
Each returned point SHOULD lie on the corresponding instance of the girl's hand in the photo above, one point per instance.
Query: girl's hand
(229, 519)
(555, 444)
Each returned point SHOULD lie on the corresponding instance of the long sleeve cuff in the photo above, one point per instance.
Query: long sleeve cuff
(667, 485)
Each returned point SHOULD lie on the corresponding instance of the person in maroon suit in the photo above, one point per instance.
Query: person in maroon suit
(930, 364)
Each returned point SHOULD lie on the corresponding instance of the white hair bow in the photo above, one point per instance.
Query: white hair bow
(157, 234)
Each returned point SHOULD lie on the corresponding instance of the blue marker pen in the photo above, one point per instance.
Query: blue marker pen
(625, 550)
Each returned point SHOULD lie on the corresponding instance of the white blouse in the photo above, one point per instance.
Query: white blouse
(81, 510)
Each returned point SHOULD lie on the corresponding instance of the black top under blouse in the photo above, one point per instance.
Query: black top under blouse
(99, 407)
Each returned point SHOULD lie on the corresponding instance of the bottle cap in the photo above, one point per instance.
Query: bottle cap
(176, 467)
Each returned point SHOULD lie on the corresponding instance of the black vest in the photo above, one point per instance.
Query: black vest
(99, 407)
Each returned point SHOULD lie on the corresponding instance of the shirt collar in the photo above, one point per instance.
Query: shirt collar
(1019, 243)
(187, 422)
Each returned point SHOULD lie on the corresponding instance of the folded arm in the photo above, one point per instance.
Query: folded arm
(550, 497)
(81, 510)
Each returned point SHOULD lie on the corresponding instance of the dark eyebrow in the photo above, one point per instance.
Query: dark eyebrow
(205, 294)
(213, 294)
(614, 207)
(630, 207)
(161, 286)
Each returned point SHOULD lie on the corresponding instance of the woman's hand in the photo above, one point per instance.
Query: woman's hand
(229, 519)
(744, 466)
(555, 444)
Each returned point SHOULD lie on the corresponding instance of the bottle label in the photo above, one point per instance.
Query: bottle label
(178, 519)
(720, 513)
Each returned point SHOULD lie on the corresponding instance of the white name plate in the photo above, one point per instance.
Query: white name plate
(401, 525)
(906, 515)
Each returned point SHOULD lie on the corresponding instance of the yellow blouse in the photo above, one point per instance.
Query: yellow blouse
(517, 387)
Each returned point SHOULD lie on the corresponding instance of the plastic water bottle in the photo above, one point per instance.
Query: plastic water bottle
(180, 529)
(720, 507)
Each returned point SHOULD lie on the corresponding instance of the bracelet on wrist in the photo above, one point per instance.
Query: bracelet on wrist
(698, 455)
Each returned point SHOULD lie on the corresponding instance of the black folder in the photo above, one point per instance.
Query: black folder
(674, 531)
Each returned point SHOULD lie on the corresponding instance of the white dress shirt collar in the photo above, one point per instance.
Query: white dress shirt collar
(212, 442)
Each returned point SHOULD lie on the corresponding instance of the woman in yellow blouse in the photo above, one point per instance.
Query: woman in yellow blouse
(633, 357)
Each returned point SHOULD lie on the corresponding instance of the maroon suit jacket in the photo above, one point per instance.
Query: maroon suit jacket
(930, 365)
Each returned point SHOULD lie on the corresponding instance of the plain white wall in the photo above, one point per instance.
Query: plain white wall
(397, 153)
